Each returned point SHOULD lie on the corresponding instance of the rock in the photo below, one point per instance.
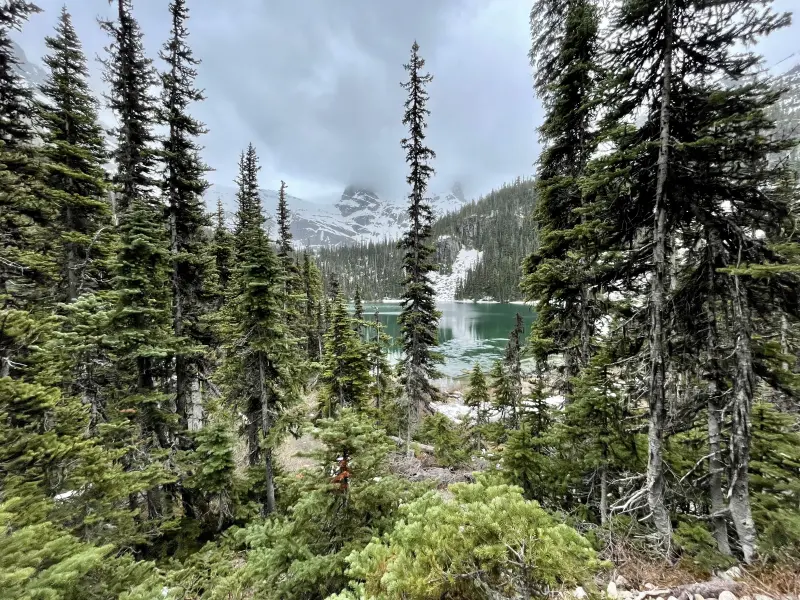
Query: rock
(726, 595)
(579, 593)
(672, 598)
(761, 597)
(611, 591)
(698, 597)
(621, 583)
(626, 595)
(732, 574)
(649, 586)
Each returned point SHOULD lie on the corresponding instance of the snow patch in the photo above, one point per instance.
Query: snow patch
(444, 286)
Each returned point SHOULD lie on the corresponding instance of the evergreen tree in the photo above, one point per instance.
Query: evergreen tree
(558, 278)
(312, 286)
(418, 317)
(345, 369)
(380, 370)
(182, 187)
(140, 327)
(294, 294)
(75, 152)
(223, 254)
(27, 258)
(513, 366)
(258, 369)
(358, 312)
(477, 398)
(707, 143)
(503, 399)
(285, 246)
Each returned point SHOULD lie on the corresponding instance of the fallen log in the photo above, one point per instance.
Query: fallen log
(415, 445)
(707, 589)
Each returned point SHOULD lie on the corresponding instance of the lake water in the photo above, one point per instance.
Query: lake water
(468, 333)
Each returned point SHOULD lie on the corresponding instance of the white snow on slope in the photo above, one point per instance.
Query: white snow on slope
(445, 285)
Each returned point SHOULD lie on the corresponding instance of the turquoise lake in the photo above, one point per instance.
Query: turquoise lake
(468, 332)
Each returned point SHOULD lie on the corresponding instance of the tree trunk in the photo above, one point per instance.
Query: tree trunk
(266, 426)
(715, 468)
(739, 492)
(603, 495)
(195, 409)
(658, 413)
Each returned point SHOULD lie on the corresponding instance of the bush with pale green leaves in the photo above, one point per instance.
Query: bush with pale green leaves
(485, 541)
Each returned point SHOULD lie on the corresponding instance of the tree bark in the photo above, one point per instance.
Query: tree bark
(715, 469)
(266, 426)
(715, 464)
(739, 492)
(603, 495)
(658, 413)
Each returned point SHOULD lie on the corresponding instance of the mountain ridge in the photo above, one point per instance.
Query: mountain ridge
(359, 216)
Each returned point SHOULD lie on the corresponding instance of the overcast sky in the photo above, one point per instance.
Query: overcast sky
(314, 84)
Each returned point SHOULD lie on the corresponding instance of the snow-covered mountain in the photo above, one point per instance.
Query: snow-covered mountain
(33, 74)
(787, 110)
(358, 216)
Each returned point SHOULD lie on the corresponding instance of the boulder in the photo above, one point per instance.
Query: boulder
(727, 595)
(732, 574)
(611, 591)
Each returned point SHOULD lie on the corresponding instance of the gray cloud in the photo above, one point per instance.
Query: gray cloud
(315, 85)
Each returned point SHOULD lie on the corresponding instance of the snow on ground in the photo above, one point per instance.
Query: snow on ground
(445, 285)
(454, 412)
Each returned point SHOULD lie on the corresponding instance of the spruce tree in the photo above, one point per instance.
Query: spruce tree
(557, 275)
(358, 312)
(708, 148)
(513, 366)
(258, 371)
(345, 369)
(379, 366)
(503, 400)
(183, 186)
(75, 152)
(223, 244)
(27, 256)
(477, 398)
(418, 316)
(312, 288)
(140, 326)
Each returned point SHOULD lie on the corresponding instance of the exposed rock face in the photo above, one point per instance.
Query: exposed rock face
(359, 216)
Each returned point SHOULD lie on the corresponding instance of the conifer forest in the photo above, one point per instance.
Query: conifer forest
(195, 406)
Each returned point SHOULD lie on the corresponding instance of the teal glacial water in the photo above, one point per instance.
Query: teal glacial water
(468, 332)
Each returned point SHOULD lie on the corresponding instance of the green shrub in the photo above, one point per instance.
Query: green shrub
(486, 541)
(450, 440)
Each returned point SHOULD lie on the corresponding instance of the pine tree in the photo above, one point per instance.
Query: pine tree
(380, 370)
(140, 326)
(477, 397)
(708, 146)
(182, 187)
(513, 366)
(27, 256)
(503, 399)
(223, 244)
(75, 151)
(418, 317)
(558, 278)
(312, 287)
(294, 294)
(345, 369)
(358, 312)
(258, 369)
